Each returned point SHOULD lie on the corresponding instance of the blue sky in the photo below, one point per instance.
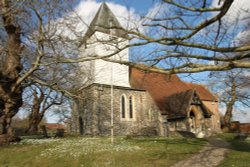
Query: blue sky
(141, 6)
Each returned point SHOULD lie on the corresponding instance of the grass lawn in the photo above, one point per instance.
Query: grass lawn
(239, 154)
(96, 152)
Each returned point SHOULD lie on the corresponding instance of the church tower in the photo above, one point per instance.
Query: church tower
(104, 38)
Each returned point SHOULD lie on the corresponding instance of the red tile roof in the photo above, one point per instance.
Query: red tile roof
(161, 86)
(203, 92)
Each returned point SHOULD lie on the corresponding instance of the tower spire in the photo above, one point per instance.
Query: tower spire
(106, 22)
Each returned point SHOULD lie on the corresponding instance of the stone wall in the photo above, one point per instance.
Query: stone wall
(92, 115)
(95, 112)
(195, 123)
(215, 118)
(178, 125)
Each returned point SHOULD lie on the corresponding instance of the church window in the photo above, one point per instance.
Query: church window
(123, 108)
(130, 107)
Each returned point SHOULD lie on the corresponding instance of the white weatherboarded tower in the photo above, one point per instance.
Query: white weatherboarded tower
(105, 36)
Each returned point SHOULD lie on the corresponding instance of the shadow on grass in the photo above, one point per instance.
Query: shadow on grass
(218, 143)
(237, 143)
(240, 145)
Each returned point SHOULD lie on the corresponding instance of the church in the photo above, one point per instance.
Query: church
(122, 100)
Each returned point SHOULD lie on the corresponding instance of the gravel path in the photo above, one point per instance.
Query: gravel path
(210, 156)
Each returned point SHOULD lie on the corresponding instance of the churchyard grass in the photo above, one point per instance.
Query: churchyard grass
(96, 152)
(239, 152)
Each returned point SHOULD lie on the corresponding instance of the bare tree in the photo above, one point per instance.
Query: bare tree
(63, 112)
(234, 84)
(183, 37)
(232, 88)
(238, 85)
(43, 99)
(28, 29)
(191, 36)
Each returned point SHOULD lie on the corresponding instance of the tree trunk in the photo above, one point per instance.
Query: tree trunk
(229, 110)
(11, 107)
(33, 128)
(228, 114)
(10, 90)
(34, 122)
(36, 115)
(45, 134)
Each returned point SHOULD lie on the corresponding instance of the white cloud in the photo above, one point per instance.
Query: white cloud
(241, 114)
(157, 10)
(75, 24)
(242, 36)
(237, 19)
(239, 10)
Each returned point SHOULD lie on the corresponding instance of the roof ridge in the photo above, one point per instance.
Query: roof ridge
(204, 87)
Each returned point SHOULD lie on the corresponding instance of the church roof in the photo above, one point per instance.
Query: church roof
(178, 104)
(169, 92)
(106, 22)
(203, 92)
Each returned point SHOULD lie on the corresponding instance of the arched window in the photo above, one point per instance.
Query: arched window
(123, 107)
(130, 107)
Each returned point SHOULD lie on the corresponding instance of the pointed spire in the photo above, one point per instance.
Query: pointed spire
(103, 21)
